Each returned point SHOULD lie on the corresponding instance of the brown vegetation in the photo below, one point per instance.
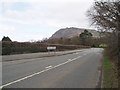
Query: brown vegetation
(106, 16)
(27, 47)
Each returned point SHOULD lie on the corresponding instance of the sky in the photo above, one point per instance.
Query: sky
(33, 20)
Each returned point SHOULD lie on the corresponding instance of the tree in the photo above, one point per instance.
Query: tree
(106, 15)
(84, 37)
(6, 39)
(75, 40)
(44, 40)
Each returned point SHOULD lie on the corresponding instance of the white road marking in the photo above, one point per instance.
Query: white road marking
(69, 59)
(24, 78)
(29, 76)
(48, 66)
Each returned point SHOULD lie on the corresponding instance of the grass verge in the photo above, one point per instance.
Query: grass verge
(109, 74)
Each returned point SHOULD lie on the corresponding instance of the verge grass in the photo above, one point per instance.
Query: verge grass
(109, 74)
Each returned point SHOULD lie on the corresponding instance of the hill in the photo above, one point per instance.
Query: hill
(72, 32)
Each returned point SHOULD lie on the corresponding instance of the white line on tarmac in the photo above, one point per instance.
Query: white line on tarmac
(69, 59)
(29, 76)
(49, 66)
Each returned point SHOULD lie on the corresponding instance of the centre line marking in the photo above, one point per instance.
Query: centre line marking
(69, 59)
(29, 76)
(48, 66)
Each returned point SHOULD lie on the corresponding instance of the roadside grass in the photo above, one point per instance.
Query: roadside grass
(109, 74)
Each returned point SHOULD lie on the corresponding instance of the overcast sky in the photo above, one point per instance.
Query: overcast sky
(25, 20)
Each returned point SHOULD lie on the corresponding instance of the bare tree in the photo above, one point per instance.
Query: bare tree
(106, 15)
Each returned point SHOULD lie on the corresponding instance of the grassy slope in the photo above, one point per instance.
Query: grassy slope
(109, 75)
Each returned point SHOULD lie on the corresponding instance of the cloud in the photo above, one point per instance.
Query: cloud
(43, 15)
(6, 29)
(46, 0)
(47, 13)
(20, 6)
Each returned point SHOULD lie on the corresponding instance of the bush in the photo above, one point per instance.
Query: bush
(27, 47)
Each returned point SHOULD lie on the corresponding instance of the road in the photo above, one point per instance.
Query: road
(75, 70)
(6, 58)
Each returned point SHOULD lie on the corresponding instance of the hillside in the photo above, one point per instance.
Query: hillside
(72, 32)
